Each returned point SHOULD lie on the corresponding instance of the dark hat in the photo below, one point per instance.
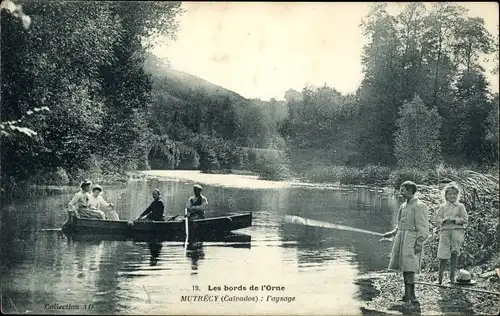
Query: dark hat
(85, 182)
(97, 187)
(197, 186)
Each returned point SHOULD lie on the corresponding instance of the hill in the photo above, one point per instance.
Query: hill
(178, 83)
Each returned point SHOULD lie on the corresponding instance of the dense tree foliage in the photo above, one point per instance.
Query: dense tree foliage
(422, 63)
(84, 63)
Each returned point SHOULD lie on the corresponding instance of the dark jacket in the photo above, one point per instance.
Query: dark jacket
(155, 211)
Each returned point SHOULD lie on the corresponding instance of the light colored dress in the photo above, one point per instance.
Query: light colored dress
(451, 235)
(80, 205)
(95, 203)
(79, 201)
(413, 224)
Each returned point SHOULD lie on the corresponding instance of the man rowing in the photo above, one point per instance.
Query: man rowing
(155, 210)
(197, 204)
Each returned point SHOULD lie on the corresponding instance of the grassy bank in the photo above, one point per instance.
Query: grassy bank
(369, 175)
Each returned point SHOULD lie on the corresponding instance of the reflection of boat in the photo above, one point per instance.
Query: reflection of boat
(227, 239)
(197, 227)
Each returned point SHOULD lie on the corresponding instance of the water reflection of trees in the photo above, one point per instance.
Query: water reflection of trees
(99, 267)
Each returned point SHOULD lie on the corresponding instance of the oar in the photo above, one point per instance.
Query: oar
(187, 227)
(292, 219)
(172, 218)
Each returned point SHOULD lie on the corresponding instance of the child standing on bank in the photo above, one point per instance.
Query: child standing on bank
(410, 234)
(452, 218)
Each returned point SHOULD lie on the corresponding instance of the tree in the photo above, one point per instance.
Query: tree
(442, 21)
(467, 129)
(127, 135)
(491, 136)
(417, 138)
(34, 75)
(471, 40)
(495, 46)
(380, 90)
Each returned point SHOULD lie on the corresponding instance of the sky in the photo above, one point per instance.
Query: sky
(262, 49)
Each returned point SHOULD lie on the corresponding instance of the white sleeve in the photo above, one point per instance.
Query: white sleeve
(74, 200)
(103, 201)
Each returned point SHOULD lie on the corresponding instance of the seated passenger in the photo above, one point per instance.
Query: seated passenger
(96, 201)
(79, 203)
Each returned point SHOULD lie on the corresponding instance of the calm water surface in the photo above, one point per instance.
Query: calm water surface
(318, 267)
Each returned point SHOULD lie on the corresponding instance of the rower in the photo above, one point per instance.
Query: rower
(197, 204)
(155, 211)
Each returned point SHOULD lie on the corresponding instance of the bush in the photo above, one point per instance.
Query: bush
(208, 161)
(370, 175)
(189, 159)
(398, 176)
(377, 175)
(349, 175)
(273, 167)
(252, 160)
(164, 153)
(214, 153)
(59, 176)
(323, 174)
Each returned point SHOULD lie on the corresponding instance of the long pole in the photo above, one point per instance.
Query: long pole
(186, 226)
(292, 219)
(461, 287)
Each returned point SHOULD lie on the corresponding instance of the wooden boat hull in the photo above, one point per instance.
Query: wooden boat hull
(198, 227)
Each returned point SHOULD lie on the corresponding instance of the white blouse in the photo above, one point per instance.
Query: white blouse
(95, 203)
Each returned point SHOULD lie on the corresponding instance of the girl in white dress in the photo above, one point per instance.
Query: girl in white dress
(452, 219)
(96, 201)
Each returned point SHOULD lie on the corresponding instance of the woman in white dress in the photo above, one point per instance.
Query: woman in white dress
(96, 201)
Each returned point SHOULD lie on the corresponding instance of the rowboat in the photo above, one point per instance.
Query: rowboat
(174, 228)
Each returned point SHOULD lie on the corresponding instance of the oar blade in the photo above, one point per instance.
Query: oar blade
(292, 219)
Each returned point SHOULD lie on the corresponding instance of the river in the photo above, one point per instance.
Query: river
(311, 270)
